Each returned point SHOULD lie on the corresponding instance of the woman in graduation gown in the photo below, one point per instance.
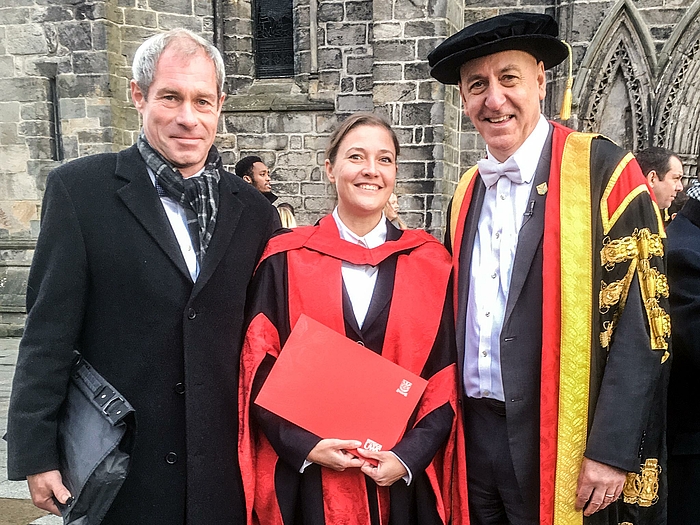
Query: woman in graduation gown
(387, 289)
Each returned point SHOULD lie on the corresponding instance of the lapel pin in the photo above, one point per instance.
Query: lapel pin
(542, 188)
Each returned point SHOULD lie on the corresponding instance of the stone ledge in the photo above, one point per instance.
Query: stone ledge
(249, 103)
(8, 309)
(17, 244)
(274, 95)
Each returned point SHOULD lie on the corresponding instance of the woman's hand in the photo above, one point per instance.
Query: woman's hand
(387, 472)
(333, 454)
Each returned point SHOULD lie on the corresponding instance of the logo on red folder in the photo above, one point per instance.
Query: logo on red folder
(372, 446)
(404, 387)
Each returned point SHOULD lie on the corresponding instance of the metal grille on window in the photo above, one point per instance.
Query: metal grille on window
(274, 38)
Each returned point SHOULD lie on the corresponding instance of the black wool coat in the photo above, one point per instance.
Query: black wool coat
(683, 258)
(109, 279)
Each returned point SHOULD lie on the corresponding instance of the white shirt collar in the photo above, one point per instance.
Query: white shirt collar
(528, 154)
(374, 238)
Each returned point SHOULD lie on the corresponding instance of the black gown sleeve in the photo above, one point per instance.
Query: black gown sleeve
(269, 297)
(420, 444)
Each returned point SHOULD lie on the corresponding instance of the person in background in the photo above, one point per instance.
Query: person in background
(561, 323)
(253, 170)
(664, 172)
(142, 264)
(683, 262)
(676, 206)
(286, 212)
(359, 275)
(391, 210)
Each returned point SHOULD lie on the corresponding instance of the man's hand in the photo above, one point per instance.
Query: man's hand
(387, 472)
(44, 487)
(598, 486)
(333, 454)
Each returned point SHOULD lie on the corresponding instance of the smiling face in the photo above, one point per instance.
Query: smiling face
(181, 113)
(501, 94)
(364, 173)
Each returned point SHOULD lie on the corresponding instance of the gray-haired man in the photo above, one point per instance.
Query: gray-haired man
(142, 265)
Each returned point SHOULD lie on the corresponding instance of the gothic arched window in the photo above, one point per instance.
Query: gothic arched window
(274, 38)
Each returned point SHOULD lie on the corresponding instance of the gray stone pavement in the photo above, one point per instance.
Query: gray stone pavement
(11, 489)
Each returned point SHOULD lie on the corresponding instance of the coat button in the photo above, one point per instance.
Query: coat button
(171, 458)
(180, 388)
(191, 314)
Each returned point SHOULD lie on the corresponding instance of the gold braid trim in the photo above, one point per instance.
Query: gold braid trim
(457, 201)
(652, 288)
(639, 245)
(643, 489)
(638, 248)
(616, 291)
(610, 294)
(577, 308)
(610, 217)
(624, 287)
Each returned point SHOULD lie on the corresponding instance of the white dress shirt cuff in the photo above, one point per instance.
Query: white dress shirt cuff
(408, 477)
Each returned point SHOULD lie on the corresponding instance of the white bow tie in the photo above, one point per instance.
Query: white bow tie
(491, 171)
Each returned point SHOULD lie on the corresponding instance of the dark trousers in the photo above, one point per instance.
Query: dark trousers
(494, 494)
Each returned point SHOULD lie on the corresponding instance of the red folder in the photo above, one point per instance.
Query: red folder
(336, 388)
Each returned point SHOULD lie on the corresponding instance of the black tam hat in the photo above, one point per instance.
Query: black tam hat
(533, 33)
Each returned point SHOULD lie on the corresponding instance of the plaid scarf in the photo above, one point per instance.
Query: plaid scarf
(693, 191)
(199, 196)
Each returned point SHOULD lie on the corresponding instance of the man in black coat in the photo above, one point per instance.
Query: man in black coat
(253, 170)
(683, 399)
(142, 264)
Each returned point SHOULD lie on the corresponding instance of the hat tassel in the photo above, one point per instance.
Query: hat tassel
(565, 112)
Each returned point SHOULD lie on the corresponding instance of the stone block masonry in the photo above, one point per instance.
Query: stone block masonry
(65, 72)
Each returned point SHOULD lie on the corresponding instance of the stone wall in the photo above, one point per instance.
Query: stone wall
(45, 49)
(76, 54)
(636, 64)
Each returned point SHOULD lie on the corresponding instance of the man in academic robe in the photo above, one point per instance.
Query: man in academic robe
(560, 298)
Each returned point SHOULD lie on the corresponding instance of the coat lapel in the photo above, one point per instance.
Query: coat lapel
(385, 282)
(349, 317)
(531, 231)
(140, 197)
(230, 209)
(465, 259)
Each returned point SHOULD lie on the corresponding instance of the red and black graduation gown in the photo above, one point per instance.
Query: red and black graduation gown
(604, 367)
(409, 321)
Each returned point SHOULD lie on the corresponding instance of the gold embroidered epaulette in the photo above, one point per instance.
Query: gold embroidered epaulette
(643, 489)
